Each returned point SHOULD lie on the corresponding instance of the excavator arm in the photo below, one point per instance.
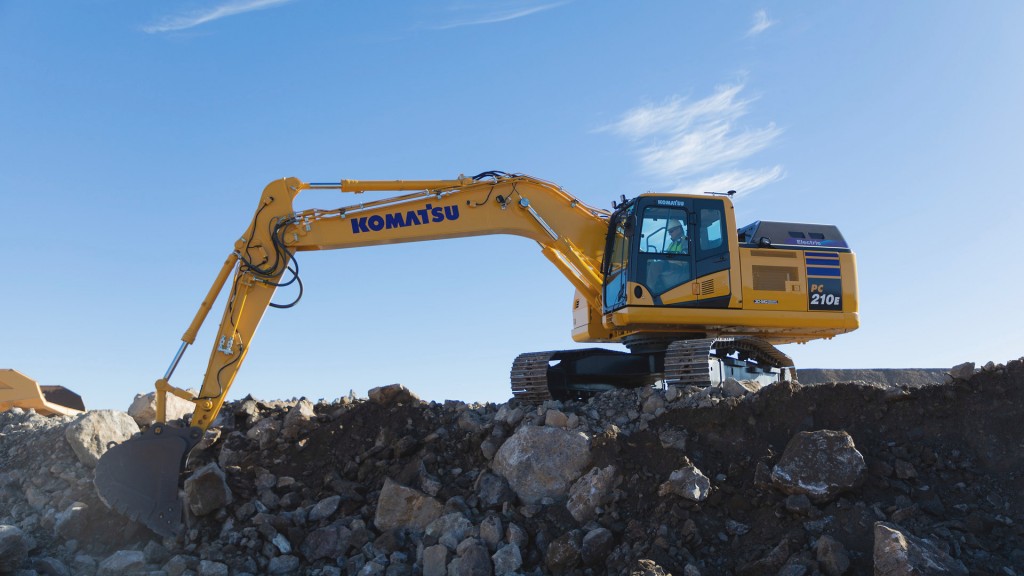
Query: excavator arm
(139, 477)
(571, 235)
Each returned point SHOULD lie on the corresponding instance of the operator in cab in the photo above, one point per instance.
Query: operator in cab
(678, 243)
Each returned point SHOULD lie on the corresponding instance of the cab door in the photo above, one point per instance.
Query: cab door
(617, 258)
(665, 258)
(711, 249)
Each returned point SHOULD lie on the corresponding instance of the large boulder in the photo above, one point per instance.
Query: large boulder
(122, 562)
(898, 553)
(298, 420)
(820, 464)
(542, 462)
(143, 408)
(688, 482)
(589, 492)
(328, 542)
(206, 490)
(91, 433)
(392, 394)
(14, 547)
(402, 507)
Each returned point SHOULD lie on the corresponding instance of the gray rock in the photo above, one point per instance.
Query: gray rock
(156, 553)
(832, 556)
(515, 534)
(85, 564)
(324, 508)
(898, 553)
(283, 565)
(507, 560)
(450, 529)
(491, 530)
(555, 418)
(542, 462)
(281, 543)
(391, 395)
(674, 438)
(597, 544)
(509, 416)
(375, 567)
(733, 388)
(592, 490)
(402, 507)
(330, 542)
(179, 564)
(122, 562)
(206, 490)
(435, 560)
(564, 553)
(492, 490)
(211, 568)
(645, 567)
(14, 547)
(473, 560)
(962, 371)
(51, 567)
(91, 433)
(298, 420)
(654, 404)
(73, 522)
(904, 470)
(820, 464)
(265, 432)
(143, 408)
(688, 482)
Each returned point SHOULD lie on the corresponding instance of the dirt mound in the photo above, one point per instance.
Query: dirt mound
(310, 485)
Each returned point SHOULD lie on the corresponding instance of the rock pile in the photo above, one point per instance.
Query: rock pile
(795, 480)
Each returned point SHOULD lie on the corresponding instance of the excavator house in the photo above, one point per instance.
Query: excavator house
(694, 298)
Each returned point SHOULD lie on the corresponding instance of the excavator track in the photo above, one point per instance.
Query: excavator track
(691, 362)
(686, 362)
(530, 376)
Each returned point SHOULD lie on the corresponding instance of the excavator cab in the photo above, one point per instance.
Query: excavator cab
(659, 245)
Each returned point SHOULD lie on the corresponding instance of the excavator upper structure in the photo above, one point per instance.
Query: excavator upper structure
(693, 297)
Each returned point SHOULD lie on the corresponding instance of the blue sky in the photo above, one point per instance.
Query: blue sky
(137, 137)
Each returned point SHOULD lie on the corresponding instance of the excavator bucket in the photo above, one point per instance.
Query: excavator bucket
(20, 391)
(139, 477)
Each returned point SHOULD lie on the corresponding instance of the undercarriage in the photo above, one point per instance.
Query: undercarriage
(703, 362)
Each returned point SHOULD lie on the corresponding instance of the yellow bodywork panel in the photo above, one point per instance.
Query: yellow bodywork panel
(20, 391)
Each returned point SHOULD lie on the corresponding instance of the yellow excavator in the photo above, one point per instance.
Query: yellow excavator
(694, 298)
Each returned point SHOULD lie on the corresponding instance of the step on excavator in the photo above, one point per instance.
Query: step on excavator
(692, 297)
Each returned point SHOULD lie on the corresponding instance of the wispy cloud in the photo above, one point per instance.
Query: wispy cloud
(223, 10)
(493, 15)
(742, 181)
(761, 23)
(691, 145)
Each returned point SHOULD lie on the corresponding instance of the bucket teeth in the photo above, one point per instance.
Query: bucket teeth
(139, 477)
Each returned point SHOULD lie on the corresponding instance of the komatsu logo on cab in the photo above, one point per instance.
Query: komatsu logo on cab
(425, 215)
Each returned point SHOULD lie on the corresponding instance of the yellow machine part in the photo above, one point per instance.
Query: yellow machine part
(20, 391)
